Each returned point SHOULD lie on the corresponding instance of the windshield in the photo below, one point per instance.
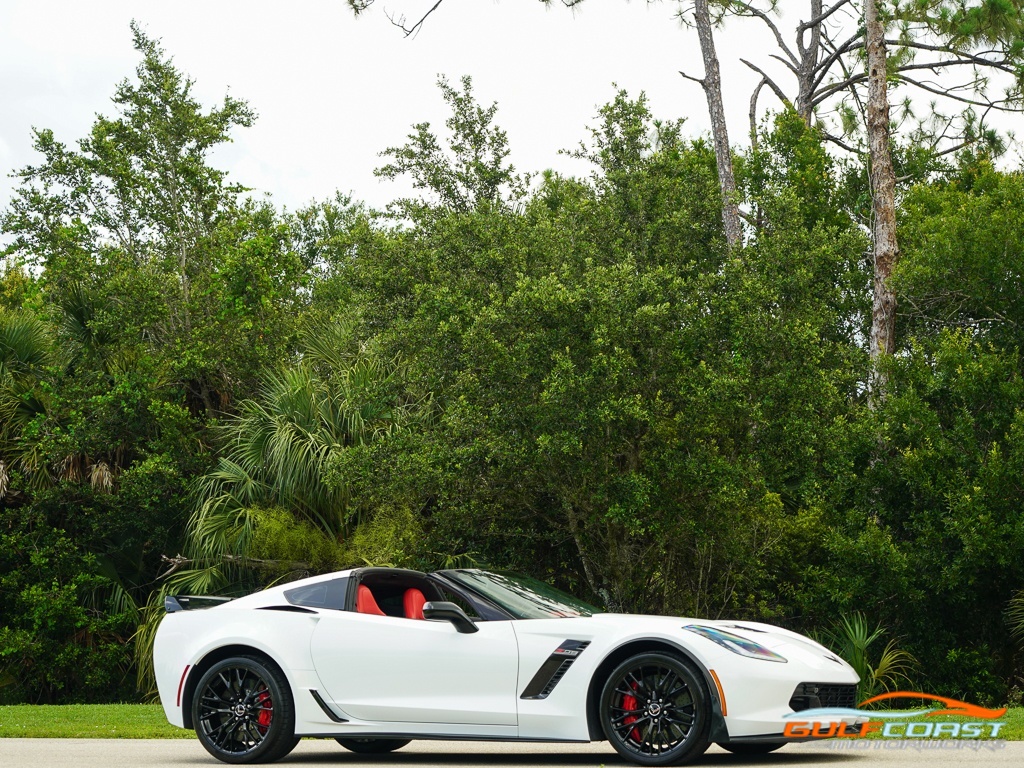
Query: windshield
(521, 596)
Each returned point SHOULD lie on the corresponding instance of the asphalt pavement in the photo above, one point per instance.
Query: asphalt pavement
(187, 753)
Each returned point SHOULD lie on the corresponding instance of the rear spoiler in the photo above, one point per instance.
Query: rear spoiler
(175, 603)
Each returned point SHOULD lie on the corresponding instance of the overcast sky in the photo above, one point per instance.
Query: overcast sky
(331, 91)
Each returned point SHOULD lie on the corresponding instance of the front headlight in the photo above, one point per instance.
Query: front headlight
(735, 643)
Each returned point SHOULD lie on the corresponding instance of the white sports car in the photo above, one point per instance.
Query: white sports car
(376, 657)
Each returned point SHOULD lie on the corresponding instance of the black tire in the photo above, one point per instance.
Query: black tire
(669, 706)
(752, 748)
(243, 711)
(372, 746)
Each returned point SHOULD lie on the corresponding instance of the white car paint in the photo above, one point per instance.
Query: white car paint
(383, 675)
(395, 670)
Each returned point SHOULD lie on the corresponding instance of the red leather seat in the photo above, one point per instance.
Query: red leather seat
(413, 602)
(365, 602)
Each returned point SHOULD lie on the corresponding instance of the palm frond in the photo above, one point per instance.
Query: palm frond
(894, 666)
(24, 343)
(220, 526)
(80, 309)
(329, 345)
(852, 638)
(25, 348)
(1015, 616)
(200, 581)
(279, 447)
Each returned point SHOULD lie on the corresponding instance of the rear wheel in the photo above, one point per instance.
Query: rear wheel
(372, 746)
(243, 711)
(751, 748)
(655, 710)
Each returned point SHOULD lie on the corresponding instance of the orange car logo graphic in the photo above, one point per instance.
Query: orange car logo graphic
(953, 706)
(830, 722)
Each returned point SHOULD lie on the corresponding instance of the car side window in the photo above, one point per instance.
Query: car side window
(451, 597)
(324, 594)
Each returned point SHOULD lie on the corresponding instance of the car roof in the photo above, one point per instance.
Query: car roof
(274, 594)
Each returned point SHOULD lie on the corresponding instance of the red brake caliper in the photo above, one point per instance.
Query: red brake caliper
(266, 707)
(629, 703)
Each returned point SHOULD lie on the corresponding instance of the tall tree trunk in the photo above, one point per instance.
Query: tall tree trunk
(809, 51)
(883, 198)
(712, 84)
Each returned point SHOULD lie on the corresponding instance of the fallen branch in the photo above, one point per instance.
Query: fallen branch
(178, 562)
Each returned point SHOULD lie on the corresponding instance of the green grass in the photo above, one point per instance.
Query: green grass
(88, 721)
(1012, 731)
(147, 721)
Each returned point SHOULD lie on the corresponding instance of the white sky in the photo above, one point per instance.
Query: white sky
(331, 91)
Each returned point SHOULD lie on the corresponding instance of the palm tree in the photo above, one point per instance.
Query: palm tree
(25, 349)
(276, 455)
(1015, 616)
(852, 639)
(278, 448)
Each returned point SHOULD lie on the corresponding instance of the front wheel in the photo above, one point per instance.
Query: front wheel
(372, 746)
(243, 711)
(655, 710)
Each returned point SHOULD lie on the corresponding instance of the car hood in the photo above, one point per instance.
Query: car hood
(793, 646)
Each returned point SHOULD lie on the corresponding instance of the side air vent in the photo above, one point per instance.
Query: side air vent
(323, 705)
(553, 669)
(559, 674)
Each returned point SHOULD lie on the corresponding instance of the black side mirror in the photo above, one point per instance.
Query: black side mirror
(441, 611)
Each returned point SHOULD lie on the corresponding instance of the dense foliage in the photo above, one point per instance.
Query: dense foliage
(571, 377)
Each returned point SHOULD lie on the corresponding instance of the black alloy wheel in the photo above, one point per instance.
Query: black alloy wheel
(372, 746)
(655, 710)
(243, 711)
(751, 748)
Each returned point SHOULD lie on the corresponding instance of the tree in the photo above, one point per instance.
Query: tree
(601, 366)
(61, 641)
(711, 83)
(137, 213)
(940, 491)
(279, 447)
(883, 194)
(828, 61)
(473, 174)
(963, 240)
(25, 349)
(152, 294)
(986, 38)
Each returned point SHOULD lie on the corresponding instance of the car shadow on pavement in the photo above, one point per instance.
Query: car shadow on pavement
(722, 760)
(550, 759)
